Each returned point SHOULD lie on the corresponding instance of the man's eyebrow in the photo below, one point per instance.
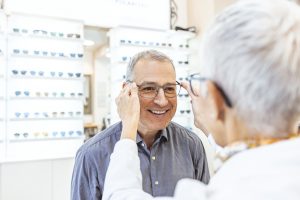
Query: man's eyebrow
(143, 83)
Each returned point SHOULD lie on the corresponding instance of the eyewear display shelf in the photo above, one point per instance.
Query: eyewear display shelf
(125, 42)
(2, 83)
(44, 88)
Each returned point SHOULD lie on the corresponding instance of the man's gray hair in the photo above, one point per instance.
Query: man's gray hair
(145, 55)
(253, 53)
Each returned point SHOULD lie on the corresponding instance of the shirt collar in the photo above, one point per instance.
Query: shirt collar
(162, 134)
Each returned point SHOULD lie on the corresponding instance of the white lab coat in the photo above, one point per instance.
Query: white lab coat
(270, 172)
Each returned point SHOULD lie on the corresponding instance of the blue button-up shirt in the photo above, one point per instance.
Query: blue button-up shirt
(176, 153)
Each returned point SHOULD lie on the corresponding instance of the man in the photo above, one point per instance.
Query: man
(168, 151)
(247, 96)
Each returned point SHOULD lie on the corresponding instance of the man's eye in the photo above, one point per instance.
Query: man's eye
(170, 89)
(149, 89)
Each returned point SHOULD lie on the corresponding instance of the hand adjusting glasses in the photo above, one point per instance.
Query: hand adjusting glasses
(150, 90)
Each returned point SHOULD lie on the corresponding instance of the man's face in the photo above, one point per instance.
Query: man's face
(156, 113)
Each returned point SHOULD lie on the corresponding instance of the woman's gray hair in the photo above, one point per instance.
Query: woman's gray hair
(253, 53)
(145, 55)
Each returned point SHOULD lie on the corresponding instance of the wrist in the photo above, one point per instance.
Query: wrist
(129, 132)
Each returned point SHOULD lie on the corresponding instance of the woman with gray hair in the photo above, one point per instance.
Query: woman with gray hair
(247, 97)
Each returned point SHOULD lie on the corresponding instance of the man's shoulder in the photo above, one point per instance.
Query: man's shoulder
(103, 140)
(184, 135)
(182, 131)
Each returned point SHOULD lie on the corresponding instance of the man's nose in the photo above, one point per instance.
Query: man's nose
(160, 98)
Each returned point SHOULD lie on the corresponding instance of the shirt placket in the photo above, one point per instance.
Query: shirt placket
(154, 170)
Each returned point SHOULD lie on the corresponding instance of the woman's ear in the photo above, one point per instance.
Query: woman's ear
(217, 101)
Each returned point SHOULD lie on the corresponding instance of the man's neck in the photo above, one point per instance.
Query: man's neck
(148, 138)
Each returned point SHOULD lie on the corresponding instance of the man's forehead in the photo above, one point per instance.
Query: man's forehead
(152, 66)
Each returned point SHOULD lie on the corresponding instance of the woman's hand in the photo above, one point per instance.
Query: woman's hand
(129, 110)
(197, 105)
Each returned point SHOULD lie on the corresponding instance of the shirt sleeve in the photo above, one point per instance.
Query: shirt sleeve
(84, 184)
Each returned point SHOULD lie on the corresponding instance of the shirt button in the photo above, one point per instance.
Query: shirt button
(143, 144)
(153, 157)
(156, 182)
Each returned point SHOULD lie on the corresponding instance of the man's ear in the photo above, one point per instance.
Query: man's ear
(217, 101)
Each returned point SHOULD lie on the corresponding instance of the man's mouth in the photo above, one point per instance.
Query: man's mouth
(158, 112)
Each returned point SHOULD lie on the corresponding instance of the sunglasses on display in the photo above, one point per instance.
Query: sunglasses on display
(183, 95)
(46, 53)
(73, 35)
(19, 93)
(54, 114)
(185, 111)
(46, 134)
(17, 30)
(183, 62)
(42, 73)
(48, 94)
(18, 135)
(44, 33)
(144, 43)
(67, 133)
(125, 58)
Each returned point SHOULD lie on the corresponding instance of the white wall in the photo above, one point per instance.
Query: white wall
(200, 13)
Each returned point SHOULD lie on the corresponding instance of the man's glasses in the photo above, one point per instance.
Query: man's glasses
(150, 90)
(196, 81)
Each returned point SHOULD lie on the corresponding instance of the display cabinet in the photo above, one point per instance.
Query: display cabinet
(125, 42)
(44, 87)
(2, 83)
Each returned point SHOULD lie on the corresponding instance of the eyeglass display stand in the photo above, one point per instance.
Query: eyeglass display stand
(44, 81)
(2, 84)
(125, 42)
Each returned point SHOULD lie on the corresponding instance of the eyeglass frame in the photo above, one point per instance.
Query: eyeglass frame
(158, 88)
(202, 79)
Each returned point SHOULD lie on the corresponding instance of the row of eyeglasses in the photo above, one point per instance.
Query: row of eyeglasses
(51, 74)
(128, 58)
(43, 134)
(27, 93)
(40, 32)
(45, 115)
(152, 44)
(45, 53)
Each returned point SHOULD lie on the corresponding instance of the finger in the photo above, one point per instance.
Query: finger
(134, 89)
(187, 87)
(126, 90)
